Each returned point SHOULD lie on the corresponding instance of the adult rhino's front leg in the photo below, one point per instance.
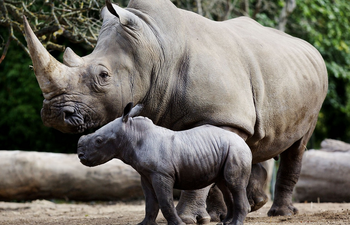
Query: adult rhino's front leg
(216, 205)
(192, 206)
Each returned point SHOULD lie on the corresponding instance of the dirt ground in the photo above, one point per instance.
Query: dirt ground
(47, 212)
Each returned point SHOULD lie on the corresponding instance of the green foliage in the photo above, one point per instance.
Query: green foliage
(20, 104)
(326, 25)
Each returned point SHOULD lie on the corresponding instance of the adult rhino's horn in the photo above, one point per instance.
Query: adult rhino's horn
(71, 59)
(50, 73)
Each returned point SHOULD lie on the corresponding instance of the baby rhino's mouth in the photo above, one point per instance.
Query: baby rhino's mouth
(82, 156)
(85, 161)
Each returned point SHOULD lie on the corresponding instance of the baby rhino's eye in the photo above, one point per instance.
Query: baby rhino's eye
(98, 140)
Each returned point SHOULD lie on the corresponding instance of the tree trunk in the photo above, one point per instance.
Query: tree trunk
(37, 175)
(325, 177)
(288, 8)
(199, 7)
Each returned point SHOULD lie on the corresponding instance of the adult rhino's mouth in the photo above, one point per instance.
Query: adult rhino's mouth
(68, 118)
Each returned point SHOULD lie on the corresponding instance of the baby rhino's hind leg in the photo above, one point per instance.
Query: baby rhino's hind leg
(236, 177)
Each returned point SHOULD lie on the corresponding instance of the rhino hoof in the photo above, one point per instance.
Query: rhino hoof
(188, 219)
(282, 211)
(203, 220)
(258, 202)
(217, 216)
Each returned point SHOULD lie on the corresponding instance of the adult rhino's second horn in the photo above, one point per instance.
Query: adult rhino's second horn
(50, 73)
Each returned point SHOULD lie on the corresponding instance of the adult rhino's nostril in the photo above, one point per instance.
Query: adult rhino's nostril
(67, 112)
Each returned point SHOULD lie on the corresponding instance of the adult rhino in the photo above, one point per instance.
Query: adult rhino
(186, 71)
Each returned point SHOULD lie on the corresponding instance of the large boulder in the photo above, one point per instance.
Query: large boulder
(325, 174)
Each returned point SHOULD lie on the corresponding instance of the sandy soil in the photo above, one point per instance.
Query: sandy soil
(46, 212)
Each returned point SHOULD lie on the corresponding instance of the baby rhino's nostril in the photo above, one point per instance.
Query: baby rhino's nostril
(81, 155)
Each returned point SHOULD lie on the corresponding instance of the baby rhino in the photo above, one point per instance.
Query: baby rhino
(166, 159)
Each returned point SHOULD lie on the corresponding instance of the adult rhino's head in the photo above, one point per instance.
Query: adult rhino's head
(87, 92)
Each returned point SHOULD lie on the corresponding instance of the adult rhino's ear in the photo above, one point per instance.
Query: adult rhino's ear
(126, 18)
(126, 113)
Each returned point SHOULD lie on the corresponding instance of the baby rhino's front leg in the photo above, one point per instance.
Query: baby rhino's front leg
(160, 191)
(152, 207)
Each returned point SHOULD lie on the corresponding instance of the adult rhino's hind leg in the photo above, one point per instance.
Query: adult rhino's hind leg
(255, 189)
(191, 207)
(287, 176)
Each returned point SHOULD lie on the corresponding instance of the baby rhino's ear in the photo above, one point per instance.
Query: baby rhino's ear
(126, 113)
(136, 110)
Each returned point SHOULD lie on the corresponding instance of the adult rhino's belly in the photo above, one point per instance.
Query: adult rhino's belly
(275, 141)
(266, 149)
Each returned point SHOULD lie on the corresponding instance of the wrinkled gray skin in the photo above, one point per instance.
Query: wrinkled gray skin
(186, 70)
(164, 158)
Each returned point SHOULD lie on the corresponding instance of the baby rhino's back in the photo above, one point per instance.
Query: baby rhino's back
(199, 155)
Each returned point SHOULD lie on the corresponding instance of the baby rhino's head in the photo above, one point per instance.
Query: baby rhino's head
(104, 144)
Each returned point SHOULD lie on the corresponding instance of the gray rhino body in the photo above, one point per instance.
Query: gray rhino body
(166, 159)
(262, 84)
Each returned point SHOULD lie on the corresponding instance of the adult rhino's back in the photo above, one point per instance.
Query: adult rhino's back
(272, 84)
(289, 84)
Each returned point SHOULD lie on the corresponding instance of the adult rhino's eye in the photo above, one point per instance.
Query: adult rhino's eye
(104, 74)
